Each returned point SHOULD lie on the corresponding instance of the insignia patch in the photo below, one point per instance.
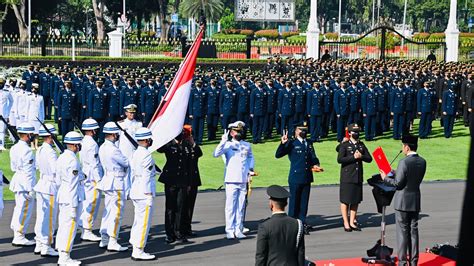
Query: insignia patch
(31, 161)
(75, 172)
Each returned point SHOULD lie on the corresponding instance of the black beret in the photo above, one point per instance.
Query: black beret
(277, 193)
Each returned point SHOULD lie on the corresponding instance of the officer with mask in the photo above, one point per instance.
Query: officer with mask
(303, 160)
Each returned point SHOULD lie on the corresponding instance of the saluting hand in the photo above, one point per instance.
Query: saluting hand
(284, 138)
(225, 135)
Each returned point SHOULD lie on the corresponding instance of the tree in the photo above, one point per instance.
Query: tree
(213, 9)
(228, 20)
(99, 8)
(18, 7)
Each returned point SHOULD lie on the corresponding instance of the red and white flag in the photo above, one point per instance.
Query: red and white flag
(168, 120)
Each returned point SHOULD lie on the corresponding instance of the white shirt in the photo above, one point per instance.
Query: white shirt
(131, 126)
(6, 102)
(48, 182)
(143, 174)
(22, 162)
(239, 160)
(89, 157)
(68, 169)
(35, 107)
(115, 167)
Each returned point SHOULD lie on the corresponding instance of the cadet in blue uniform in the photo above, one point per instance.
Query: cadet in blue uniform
(328, 108)
(97, 106)
(213, 95)
(315, 110)
(425, 110)
(113, 97)
(354, 102)
(258, 108)
(300, 101)
(286, 107)
(410, 107)
(303, 159)
(341, 107)
(58, 85)
(77, 86)
(243, 104)
(369, 111)
(449, 109)
(397, 109)
(272, 103)
(130, 95)
(197, 110)
(87, 87)
(149, 101)
(67, 107)
(228, 104)
(46, 91)
(381, 92)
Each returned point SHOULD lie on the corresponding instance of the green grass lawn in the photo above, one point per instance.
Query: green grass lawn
(446, 159)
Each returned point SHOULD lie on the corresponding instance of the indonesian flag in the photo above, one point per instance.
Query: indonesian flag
(168, 120)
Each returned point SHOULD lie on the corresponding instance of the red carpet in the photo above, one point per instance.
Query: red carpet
(426, 259)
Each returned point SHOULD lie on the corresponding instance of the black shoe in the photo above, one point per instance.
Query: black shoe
(191, 234)
(307, 229)
(357, 228)
(170, 240)
(182, 240)
(348, 229)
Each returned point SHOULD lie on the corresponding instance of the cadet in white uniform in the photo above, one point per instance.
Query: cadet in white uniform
(12, 119)
(70, 197)
(142, 193)
(112, 184)
(46, 190)
(22, 163)
(35, 109)
(239, 165)
(6, 102)
(93, 171)
(21, 103)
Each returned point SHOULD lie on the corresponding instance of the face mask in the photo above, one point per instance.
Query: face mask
(180, 137)
(78, 147)
(35, 91)
(150, 142)
(31, 138)
(238, 136)
(303, 134)
(355, 135)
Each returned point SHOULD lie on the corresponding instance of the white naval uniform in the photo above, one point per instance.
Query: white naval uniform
(13, 117)
(35, 109)
(92, 169)
(127, 148)
(239, 161)
(46, 190)
(21, 106)
(1, 194)
(70, 196)
(22, 162)
(6, 102)
(142, 192)
(112, 184)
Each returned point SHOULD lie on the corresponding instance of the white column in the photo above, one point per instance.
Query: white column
(312, 34)
(339, 19)
(452, 34)
(29, 27)
(115, 46)
(404, 21)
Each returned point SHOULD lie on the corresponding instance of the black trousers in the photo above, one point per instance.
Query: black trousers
(212, 122)
(175, 210)
(191, 201)
(407, 237)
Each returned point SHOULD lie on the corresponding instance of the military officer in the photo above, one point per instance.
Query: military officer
(46, 91)
(22, 163)
(410, 106)
(466, 86)
(97, 106)
(342, 109)
(29, 77)
(213, 95)
(369, 111)
(70, 197)
(397, 109)
(142, 193)
(303, 159)
(280, 239)
(382, 122)
(77, 86)
(93, 170)
(131, 125)
(115, 166)
(272, 103)
(87, 87)
(315, 110)
(67, 107)
(58, 85)
(300, 101)
(258, 109)
(6, 103)
(328, 114)
(149, 101)
(425, 110)
(130, 95)
(46, 190)
(197, 110)
(354, 103)
(286, 107)
(449, 109)
(243, 104)
(240, 163)
(113, 97)
(228, 104)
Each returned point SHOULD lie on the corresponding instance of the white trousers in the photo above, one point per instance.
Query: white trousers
(3, 128)
(112, 216)
(141, 223)
(46, 218)
(1, 201)
(67, 226)
(234, 206)
(22, 212)
(90, 207)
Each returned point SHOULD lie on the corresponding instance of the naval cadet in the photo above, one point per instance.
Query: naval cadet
(280, 240)
(303, 159)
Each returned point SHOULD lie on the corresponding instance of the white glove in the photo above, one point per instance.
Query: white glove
(225, 136)
(31, 195)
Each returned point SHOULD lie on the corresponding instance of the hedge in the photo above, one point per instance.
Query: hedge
(269, 34)
(223, 36)
(288, 34)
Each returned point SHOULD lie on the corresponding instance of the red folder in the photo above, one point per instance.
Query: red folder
(381, 160)
(347, 133)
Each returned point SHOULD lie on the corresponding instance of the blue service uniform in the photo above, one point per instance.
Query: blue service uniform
(113, 103)
(328, 110)
(87, 87)
(258, 110)
(425, 107)
(129, 96)
(342, 109)
(397, 107)
(228, 107)
(369, 110)
(46, 90)
(77, 84)
(410, 108)
(30, 77)
(449, 106)
(300, 102)
(97, 108)
(302, 158)
(213, 96)
(286, 109)
(197, 109)
(67, 108)
(315, 110)
(149, 103)
(382, 121)
(58, 85)
(355, 105)
(270, 116)
(243, 107)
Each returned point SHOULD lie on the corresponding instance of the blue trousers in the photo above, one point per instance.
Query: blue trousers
(425, 125)
(369, 126)
(287, 123)
(66, 126)
(269, 123)
(315, 122)
(226, 120)
(397, 126)
(212, 122)
(341, 127)
(299, 198)
(198, 128)
(257, 127)
(448, 124)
